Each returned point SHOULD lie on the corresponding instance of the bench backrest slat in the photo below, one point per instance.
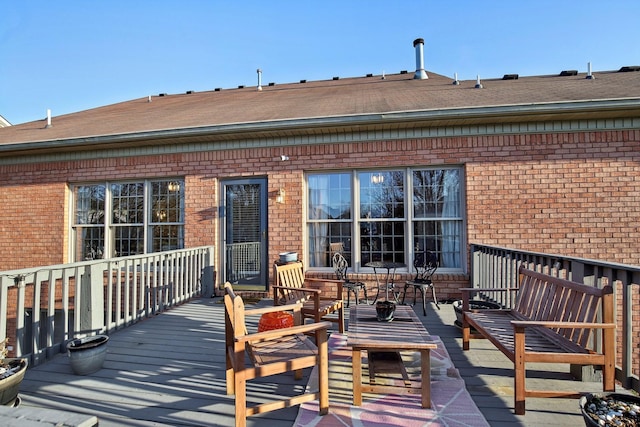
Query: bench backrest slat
(543, 297)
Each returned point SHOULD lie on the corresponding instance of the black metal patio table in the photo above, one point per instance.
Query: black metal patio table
(389, 281)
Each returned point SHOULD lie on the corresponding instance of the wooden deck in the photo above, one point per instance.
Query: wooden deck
(164, 371)
(169, 371)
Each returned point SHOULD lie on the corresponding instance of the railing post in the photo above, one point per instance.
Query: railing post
(475, 266)
(207, 277)
(20, 316)
(92, 300)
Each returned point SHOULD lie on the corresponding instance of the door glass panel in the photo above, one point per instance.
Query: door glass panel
(245, 254)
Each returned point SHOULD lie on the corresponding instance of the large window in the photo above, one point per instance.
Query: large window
(386, 215)
(128, 218)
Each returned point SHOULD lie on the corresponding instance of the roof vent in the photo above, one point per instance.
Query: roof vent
(259, 71)
(369, 75)
(420, 73)
(589, 74)
(565, 73)
(336, 78)
(629, 68)
(455, 81)
(48, 125)
(510, 77)
(478, 84)
(189, 92)
(240, 86)
(217, 89)
(403, 72)
(303, 81)
(162, 94)
(272, 84)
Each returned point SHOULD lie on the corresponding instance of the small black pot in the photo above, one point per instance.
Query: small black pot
(385, 310)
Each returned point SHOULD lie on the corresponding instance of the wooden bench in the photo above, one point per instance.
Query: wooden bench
(552, 321)
(272, 352)
(292, 286)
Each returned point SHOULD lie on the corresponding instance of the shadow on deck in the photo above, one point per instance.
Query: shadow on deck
(169, 371)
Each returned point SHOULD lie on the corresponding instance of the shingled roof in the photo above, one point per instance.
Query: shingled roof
(349, 100)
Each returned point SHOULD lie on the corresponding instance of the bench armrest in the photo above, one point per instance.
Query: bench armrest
(474, 290)
(284, 332)
(467, 292)
(558, 324)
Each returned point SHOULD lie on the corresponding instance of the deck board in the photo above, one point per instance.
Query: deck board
(163, 371)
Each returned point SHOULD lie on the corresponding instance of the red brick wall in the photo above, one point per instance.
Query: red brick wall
(572, 194)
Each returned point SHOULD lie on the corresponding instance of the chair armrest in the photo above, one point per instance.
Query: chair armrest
(293, 288)
(339, 284)
(284, 332)
(319, 279)
(262, 310)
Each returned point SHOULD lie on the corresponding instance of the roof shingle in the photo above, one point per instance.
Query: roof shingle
(327, 98)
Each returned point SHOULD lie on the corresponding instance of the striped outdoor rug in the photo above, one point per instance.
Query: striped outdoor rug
(451, 403)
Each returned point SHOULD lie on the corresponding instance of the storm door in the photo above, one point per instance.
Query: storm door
(244, 207)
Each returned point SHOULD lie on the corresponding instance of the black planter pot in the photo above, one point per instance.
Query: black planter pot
(385, 310)
(608, 403)
(474, 305)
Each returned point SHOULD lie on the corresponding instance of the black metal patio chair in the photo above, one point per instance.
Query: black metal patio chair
(341, 266)
(425, 263)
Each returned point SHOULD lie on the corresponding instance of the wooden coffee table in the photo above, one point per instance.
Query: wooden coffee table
(383, 342)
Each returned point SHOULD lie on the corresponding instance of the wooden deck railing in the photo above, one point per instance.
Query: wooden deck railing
(493, 267)
(42, 308)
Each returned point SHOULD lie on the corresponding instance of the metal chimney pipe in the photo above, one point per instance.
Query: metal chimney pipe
(259, 79)
(420, 74)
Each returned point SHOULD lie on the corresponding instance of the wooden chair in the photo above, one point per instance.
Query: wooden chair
(426, 264)
(291, 286)
(272, 352)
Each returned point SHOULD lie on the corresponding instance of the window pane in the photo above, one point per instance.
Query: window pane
(436, 193)
(329, 196)
(128, 203)
(89, 204)
(442, 238)
(89, 243)
(167, 238)
(321, 235)
(382, 241)
(381, 194)
(167, 201)
(128, 240)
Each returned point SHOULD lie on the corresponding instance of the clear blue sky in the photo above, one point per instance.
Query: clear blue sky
(72, 55)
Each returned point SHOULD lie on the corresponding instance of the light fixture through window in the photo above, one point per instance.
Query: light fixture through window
(173, 186)
(377, 178)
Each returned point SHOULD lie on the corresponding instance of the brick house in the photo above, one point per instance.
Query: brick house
(389, 165)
